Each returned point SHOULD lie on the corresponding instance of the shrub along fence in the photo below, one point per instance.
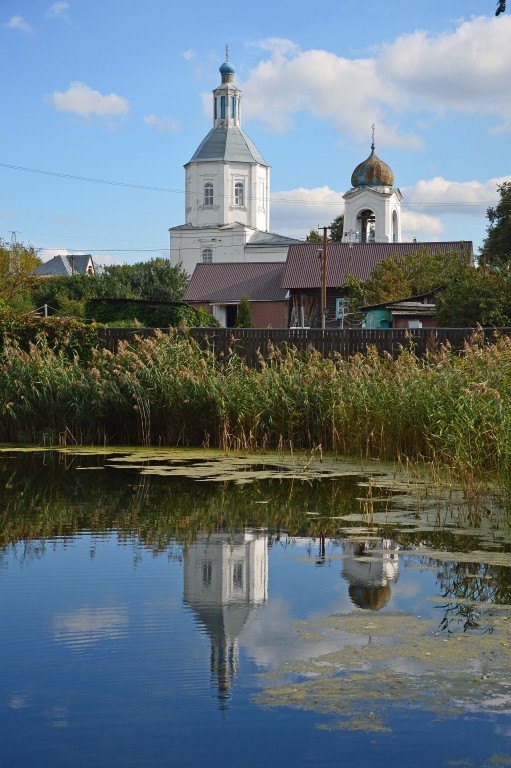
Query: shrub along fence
(253, 343)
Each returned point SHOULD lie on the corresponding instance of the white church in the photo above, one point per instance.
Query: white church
(227, 193)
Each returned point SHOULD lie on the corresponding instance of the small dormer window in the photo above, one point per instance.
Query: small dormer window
(207, 255)
(208, 193)
(239, 193)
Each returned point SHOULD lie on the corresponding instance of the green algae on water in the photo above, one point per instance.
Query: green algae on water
(392, 662)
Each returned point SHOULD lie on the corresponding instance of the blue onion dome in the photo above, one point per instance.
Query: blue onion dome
(373, 172)
(227, 68)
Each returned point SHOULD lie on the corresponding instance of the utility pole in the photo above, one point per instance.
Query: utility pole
(323, 254)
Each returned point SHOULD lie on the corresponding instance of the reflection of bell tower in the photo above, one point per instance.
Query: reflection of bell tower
(225, 579)
(369, 567)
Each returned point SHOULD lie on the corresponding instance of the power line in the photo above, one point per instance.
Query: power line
(273, 200)
(86, 178)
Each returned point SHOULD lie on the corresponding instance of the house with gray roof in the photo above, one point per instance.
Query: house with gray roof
(227, 193)
(67, 266)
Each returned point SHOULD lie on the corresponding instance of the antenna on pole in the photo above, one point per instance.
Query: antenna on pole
(14, 255)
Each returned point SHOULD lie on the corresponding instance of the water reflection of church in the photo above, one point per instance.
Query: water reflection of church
(369, 567)
(225, 580)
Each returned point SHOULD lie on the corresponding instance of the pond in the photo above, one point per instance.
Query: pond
(185, 608)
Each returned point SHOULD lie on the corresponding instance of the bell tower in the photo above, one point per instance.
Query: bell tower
(372, 210)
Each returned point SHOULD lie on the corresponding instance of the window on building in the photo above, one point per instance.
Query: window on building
(342, 307)
(222, 107)
(215, 106)
(208, 193)
(231, 98)
(239, 193)
(237, 576)
(207, 255)
(261, 196)
(207, 572)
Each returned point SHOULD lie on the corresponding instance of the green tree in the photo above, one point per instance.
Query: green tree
(501, 7)
(244, 316)
(473, 297)
(497, 245)
(411, 275)
(314, 237)
(156, 279)
(336, 229)
(17, 260)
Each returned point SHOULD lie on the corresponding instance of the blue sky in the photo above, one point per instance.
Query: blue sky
(121, 91)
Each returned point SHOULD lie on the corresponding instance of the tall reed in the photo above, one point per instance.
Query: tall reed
(452, 408)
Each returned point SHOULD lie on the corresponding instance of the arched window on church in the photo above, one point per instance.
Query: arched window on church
(208, 193)
(239, 193)
(207, 255)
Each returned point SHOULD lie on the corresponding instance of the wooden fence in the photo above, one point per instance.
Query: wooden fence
(251, 343)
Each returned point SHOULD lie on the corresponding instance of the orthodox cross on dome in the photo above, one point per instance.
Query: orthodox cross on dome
(227, 52)
(372, 145)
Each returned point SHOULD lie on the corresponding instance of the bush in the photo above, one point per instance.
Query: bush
(66, 335)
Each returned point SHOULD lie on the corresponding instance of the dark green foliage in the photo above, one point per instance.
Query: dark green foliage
(66, 336)
(501, 7)
(497, 246)
(17, 260)
(413, 275)
(126, 313)
(336, 228)
(156, 280)
(475, 297)
(244, 316)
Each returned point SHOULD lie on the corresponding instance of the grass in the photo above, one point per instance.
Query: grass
(450, 409)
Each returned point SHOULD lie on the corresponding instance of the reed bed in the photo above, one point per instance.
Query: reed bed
(450, 408)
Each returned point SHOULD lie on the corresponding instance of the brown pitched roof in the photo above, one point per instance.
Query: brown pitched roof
(231, 281)
(303, 265)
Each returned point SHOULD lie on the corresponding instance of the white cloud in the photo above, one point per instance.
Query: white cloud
(19, 23)
(162, 123)
(278, 46)
(427, 205)
(84, 101)
(189, 55)
(467, 198)
(58, 11)
(349, 93)
(421, 226)
(88, 625)
(464, 71)
(19, 701)
(299, 210)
